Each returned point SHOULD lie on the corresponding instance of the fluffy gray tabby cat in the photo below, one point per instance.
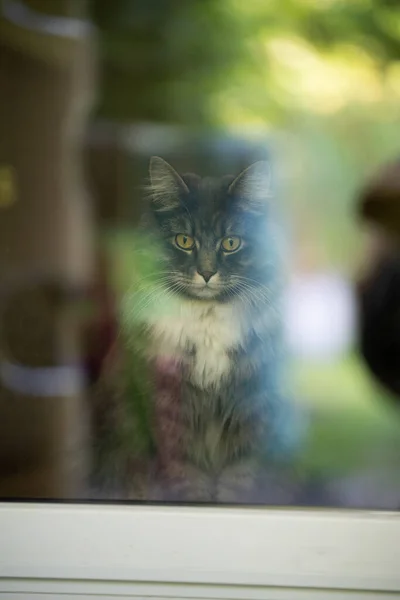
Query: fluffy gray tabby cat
(213, 311)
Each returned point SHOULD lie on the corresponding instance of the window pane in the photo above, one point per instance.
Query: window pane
(199, 282)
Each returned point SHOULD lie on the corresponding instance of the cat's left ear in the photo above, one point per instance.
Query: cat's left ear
(252, 187)
(166, 185)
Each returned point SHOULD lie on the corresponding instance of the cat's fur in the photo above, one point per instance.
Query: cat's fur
(225, 409)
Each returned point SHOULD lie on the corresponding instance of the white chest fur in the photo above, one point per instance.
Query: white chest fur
(202, 334)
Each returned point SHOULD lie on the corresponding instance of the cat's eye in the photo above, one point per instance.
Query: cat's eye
(184, 242)
(231, 243)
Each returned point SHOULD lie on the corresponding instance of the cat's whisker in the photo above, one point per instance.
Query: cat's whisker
(134, 290)
(152, 299)
(156, 275)
(251, 293)
(146, 297)
(253, 282)
(261, 292)
(269, 293)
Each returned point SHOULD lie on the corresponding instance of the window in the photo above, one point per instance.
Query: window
(198, 344)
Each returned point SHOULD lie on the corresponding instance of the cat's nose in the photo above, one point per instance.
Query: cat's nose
(206, 275)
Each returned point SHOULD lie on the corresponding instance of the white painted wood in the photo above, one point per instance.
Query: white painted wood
(218, 593)
(183, 552)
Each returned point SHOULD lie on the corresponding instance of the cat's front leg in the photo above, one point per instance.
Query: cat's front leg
(183, 482)
(237, 483)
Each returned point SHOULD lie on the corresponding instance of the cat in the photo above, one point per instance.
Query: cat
(205, 324)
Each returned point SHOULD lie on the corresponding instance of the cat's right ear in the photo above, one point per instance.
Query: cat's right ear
(166, 186)
(252, 187)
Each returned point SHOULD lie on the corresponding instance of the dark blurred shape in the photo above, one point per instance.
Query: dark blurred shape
(379, 289)
(380, 201)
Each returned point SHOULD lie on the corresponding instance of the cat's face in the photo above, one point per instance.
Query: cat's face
(215, 233)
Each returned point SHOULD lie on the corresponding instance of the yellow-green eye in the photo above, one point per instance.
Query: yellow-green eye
(231, 243)
(185, 242)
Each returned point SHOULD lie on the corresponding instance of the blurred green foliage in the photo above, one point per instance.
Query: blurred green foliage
(164, 59)
(355, 425)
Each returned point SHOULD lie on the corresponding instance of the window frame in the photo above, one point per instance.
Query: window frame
(176, 552)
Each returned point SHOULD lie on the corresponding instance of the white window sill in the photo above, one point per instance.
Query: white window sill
(80, 551)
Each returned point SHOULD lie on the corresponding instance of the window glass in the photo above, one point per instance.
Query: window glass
(199, 264)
